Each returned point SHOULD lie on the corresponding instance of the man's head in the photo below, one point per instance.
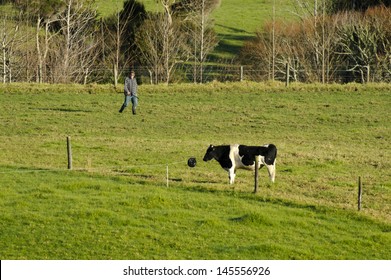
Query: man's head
(132, 74)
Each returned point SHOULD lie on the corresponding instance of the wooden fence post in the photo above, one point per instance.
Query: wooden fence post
(359, 193)
(69, 150)
(256, 169)
(241, 73)
(167, 176)
(287, 74)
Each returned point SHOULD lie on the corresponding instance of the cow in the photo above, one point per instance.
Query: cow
(233, 157)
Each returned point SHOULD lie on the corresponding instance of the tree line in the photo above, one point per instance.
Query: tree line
(67, 41)
(332, 41)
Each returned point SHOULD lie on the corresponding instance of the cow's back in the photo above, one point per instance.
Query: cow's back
(242, 161)
(244, 156)
(235, 156)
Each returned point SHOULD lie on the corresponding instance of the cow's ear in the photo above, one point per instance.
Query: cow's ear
(211, 146)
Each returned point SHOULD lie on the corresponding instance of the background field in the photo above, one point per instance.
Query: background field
(115, 204)
(234, 22)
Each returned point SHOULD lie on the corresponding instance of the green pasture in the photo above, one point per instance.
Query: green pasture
(117, 203)
(234, 21)
(110, 7)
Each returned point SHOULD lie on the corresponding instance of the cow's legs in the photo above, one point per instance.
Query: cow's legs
(231, 174)
(271, 169)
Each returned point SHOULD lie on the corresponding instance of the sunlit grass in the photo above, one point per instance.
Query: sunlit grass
(116, 204)
(234, 23)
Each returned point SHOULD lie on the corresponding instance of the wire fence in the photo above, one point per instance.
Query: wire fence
(284, 73)
(188, 73)
(157, 172)
(164, 168)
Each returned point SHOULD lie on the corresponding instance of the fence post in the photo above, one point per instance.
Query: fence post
(69, 151)
(287, 74)
(167, 175)
(241, 73)
(256, 169)
(359, 193)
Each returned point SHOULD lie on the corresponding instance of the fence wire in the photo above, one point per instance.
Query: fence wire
(187, 73)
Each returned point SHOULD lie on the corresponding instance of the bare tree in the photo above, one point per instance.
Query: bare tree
(10, 38)
(79, 40)
(273, 58)
(119, 37)
(305, 46)
(47, 18)
(42, 54)
(112, 40)
(46, 14)
(364, 44)
(150, 44)
(161, 42)
(168, 39)
(320, 32)
(198, 24)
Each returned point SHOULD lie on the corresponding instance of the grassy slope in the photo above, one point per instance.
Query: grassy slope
(108, 7)
(80, 216)
(235, 21)
(230, 17)
(118, 206)
(116, 203)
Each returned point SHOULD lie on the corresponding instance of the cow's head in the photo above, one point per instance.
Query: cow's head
(209, 153)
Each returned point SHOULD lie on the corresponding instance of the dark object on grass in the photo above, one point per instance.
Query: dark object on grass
(191, 162)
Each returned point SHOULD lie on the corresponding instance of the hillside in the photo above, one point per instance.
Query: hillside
(234, 23)
(237, 23)
(118, 202)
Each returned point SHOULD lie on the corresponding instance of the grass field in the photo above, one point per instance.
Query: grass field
(234, 22)
(230, 17)
(115, 203)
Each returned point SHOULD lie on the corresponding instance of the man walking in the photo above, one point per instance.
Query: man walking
(130, 91)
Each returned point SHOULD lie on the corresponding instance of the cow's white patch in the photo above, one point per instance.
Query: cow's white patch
(237, 163)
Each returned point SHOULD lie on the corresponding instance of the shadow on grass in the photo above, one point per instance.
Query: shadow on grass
(66, 110)
(230, 43)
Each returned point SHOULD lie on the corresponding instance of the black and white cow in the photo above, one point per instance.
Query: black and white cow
(233, 157)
